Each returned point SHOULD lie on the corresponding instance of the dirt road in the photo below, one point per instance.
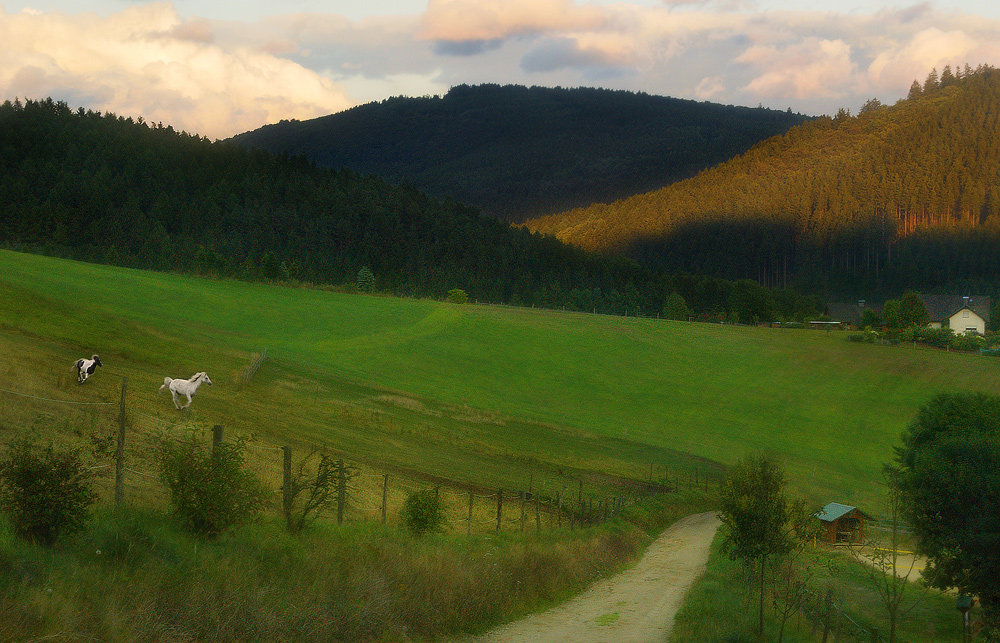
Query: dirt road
(637, 605)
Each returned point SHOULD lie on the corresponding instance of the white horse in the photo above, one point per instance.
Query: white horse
(186, 387)
(86, 367)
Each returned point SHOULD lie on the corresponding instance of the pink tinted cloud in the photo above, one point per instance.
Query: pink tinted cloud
(477, 20)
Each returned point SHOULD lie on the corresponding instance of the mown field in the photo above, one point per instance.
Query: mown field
(480, 393)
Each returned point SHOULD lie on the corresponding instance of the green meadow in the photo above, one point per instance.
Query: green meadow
(476, 393)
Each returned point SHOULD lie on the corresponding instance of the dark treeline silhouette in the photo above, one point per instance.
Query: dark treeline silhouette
(103, 188)
(517, 152)
(895, 197)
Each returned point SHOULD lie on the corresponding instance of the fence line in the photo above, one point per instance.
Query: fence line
(363, 492)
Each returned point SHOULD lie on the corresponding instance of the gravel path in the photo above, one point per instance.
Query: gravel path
(637, 605)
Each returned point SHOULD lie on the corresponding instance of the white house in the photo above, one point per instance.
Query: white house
(961, 314)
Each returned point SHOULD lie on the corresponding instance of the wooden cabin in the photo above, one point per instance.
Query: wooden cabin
(842, 524)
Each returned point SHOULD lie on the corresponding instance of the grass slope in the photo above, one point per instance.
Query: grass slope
(491, 390)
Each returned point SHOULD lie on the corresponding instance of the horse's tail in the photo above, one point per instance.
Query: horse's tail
(166, 382)
(76, 365)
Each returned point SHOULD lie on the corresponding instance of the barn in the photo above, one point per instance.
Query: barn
(842, 524)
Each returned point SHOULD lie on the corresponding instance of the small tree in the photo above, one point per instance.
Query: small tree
(319, 489)
(882, 566)
(422, 512)
(674, 307)
(457, 296)
(210, 489)
(890, 313)
(366, 280)
(912, 311)
(948, 475)
(761, 523)
(47, 492)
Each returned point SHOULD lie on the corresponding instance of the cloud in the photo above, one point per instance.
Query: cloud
(811, 68)
(146, 61)
(480, 20)
(709, 87)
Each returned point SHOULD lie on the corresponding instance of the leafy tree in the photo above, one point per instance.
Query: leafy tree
(751, 302)
(870, 318)
(46, 492)
(761, 524)
(948, 474)
(890, 313)
(674, 307)
(211, 490)
(912, 311)
(457, 296)
(366, 280)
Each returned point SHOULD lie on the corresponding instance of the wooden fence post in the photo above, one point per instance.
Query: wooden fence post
(469, 527)
(120, 451)
(499, 506)
(341, 490)
(559, 508)
(579, 498)
(286, 485)
(218, 434)
(538, 514)
(385, 494)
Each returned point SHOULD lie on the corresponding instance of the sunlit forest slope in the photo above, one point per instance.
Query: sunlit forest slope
(896, 196)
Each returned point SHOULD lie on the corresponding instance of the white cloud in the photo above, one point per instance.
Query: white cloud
(146, 61)
(478, 20)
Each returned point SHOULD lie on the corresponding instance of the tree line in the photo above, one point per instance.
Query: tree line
(107, 189)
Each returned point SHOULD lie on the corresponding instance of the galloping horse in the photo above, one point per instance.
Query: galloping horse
(86, 367)
(186, 387)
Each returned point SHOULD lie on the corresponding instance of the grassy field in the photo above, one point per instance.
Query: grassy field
(481, 393)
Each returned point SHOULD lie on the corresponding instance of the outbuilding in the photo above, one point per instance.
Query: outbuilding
(842, 524)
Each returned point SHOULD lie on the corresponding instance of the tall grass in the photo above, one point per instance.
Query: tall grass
(134, 576)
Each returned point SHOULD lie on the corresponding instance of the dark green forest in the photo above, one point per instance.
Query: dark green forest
(103, 188)
(895, 197)
(517, 152)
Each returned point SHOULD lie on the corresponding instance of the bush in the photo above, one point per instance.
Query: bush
(422, 512)
(210, 489)
(457, 296)
(366, 280)
(47, 492)
(967, 342)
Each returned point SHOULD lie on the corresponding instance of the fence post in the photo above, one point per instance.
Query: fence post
(218, 434)
(538, 514)
(579, 498)
(499, 506)
(286, 484)
(120, 451)
(524, 499)
(469, 526)
(385, 493)
(341, 490)
(559, 508)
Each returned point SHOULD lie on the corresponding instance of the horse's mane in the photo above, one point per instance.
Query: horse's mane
(196, 376)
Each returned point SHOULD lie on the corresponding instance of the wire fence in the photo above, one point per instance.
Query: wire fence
(127, 446)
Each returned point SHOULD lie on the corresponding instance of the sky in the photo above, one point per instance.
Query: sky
(217, 68)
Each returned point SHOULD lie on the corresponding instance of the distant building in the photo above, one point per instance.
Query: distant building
(962, 314)
(842, 524)
(846, 313)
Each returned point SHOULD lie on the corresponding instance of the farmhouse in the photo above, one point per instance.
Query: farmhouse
(842, 524)
(961, 314)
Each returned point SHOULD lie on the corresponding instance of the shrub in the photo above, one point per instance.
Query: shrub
(47, 492)
(366, 280)
(457, 296)
(967, 342)
(210, 489)
(422, 512)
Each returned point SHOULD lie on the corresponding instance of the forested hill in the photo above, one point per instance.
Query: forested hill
(897, 196)
(516, 152)
(102, 188)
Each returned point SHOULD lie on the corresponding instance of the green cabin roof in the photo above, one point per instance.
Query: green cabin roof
(835, 510)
